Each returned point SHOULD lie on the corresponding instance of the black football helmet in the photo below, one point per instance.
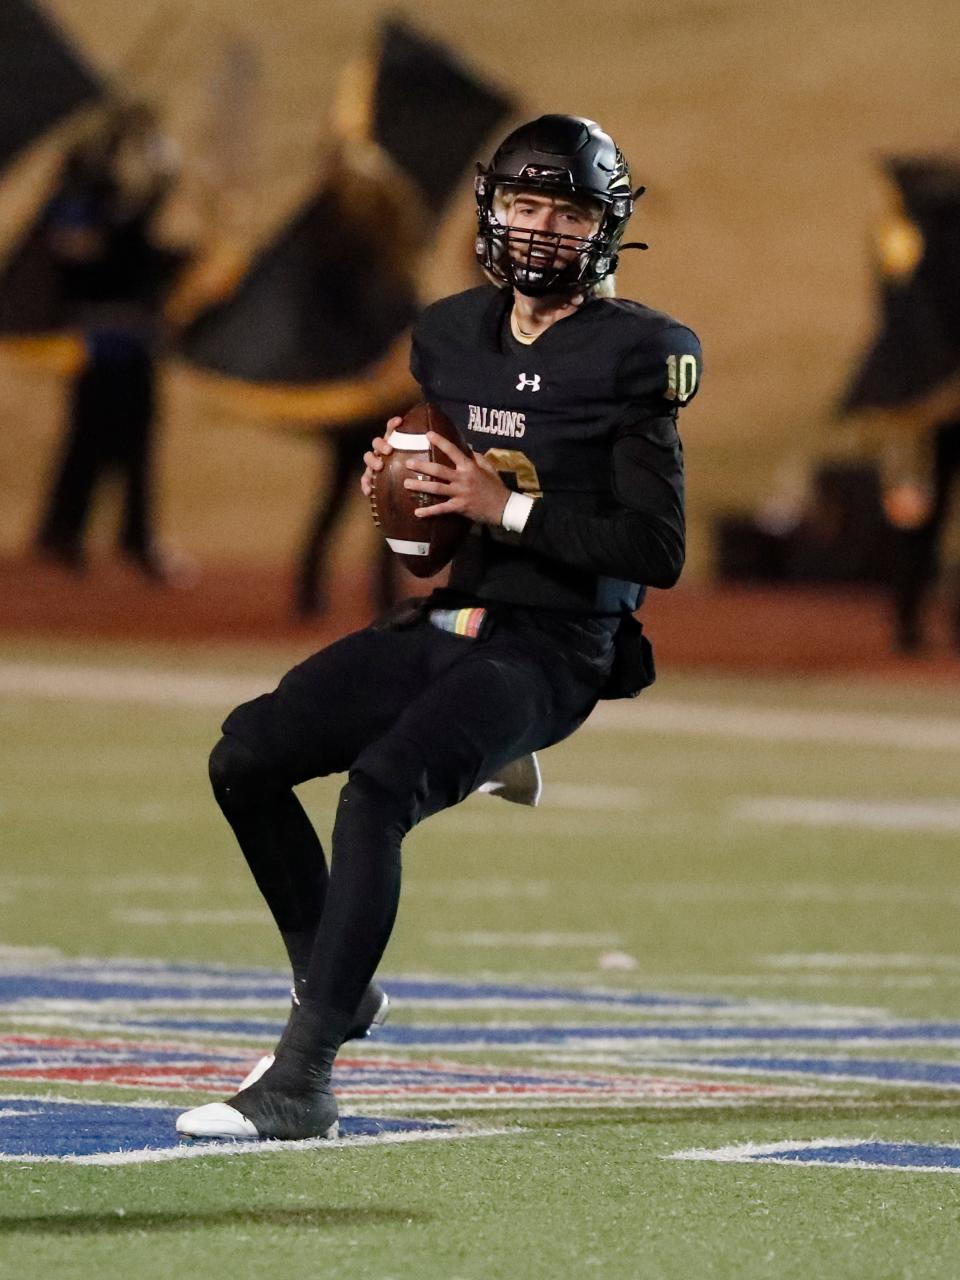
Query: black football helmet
(558, 156)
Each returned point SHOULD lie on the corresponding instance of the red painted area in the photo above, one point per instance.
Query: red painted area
(138, 1064)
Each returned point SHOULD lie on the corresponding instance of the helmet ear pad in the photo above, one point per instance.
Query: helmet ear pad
(558, 156)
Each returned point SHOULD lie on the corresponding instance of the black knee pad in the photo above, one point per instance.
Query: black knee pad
(238, 775)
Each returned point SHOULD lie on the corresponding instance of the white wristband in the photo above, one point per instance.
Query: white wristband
(516, 513)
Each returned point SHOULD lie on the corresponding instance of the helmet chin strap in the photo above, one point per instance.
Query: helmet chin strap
(557, 280)
(549, 288)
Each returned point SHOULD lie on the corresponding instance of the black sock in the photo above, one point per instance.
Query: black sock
(293, 1099)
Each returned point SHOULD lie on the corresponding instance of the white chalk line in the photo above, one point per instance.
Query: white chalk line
(650, 892)
(795, 724)
(150, 917)
(767, 1153)
(537, 941)
(797, 893)
(152, 687)
(930, 816)
(819, 980)
(593, 805)
(189, 1151)
(144, 686)
(858, 961)
(464, 889)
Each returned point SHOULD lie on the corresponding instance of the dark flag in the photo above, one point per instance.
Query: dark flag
(430, 113)
(42, 79)
(318, 322)
(917, 346)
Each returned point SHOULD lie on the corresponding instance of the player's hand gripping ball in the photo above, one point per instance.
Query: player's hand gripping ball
(424, 546)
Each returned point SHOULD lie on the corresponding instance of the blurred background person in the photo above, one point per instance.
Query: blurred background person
(314, 333)
(111, 273)
(908, 382)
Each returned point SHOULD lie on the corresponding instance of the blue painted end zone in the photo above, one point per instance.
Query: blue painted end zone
(859, 1154)
(33, 1128)
(115, 980)
(891, 1155)
(882, 1070)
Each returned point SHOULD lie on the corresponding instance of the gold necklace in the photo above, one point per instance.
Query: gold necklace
(521, 335)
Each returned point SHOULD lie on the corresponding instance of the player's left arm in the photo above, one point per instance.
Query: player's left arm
(641, 537)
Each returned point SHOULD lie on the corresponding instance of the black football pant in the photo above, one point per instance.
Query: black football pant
(417, 718)
(344, 448)
(110, 429)
(917, 551)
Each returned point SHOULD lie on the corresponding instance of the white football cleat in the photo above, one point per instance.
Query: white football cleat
(254, 1074)
(216, 1120)
(519, 782)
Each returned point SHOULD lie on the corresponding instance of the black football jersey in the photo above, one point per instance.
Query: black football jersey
(584, 420)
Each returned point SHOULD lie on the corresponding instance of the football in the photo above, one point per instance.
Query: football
(424, 546)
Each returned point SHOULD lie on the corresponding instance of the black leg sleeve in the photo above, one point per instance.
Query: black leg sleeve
(278, 842)
(363, 895)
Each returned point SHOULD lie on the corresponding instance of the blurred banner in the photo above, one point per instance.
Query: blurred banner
(316, 328)
(42, 79)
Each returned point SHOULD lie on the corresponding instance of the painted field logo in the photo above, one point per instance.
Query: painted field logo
(44, 1129)
(166, 1066)
(178, 1033)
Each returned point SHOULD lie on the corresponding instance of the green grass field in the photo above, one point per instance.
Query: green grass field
(774, 860)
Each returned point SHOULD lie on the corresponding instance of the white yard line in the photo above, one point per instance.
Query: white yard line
(537, 941)
(601, 796)
(765, 724)
(150, 917)
(930, 816)
(858, 961)
(144, 686)
(192, 1150)
(150, 687)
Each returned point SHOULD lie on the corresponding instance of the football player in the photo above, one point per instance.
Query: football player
(567, 398)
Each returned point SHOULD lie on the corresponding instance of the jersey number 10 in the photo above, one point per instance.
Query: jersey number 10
(681, 377)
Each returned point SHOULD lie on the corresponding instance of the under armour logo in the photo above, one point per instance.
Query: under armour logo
(533, 383)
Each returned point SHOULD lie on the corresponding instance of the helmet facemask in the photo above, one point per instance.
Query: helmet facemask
(536, 261)
(562, 158)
